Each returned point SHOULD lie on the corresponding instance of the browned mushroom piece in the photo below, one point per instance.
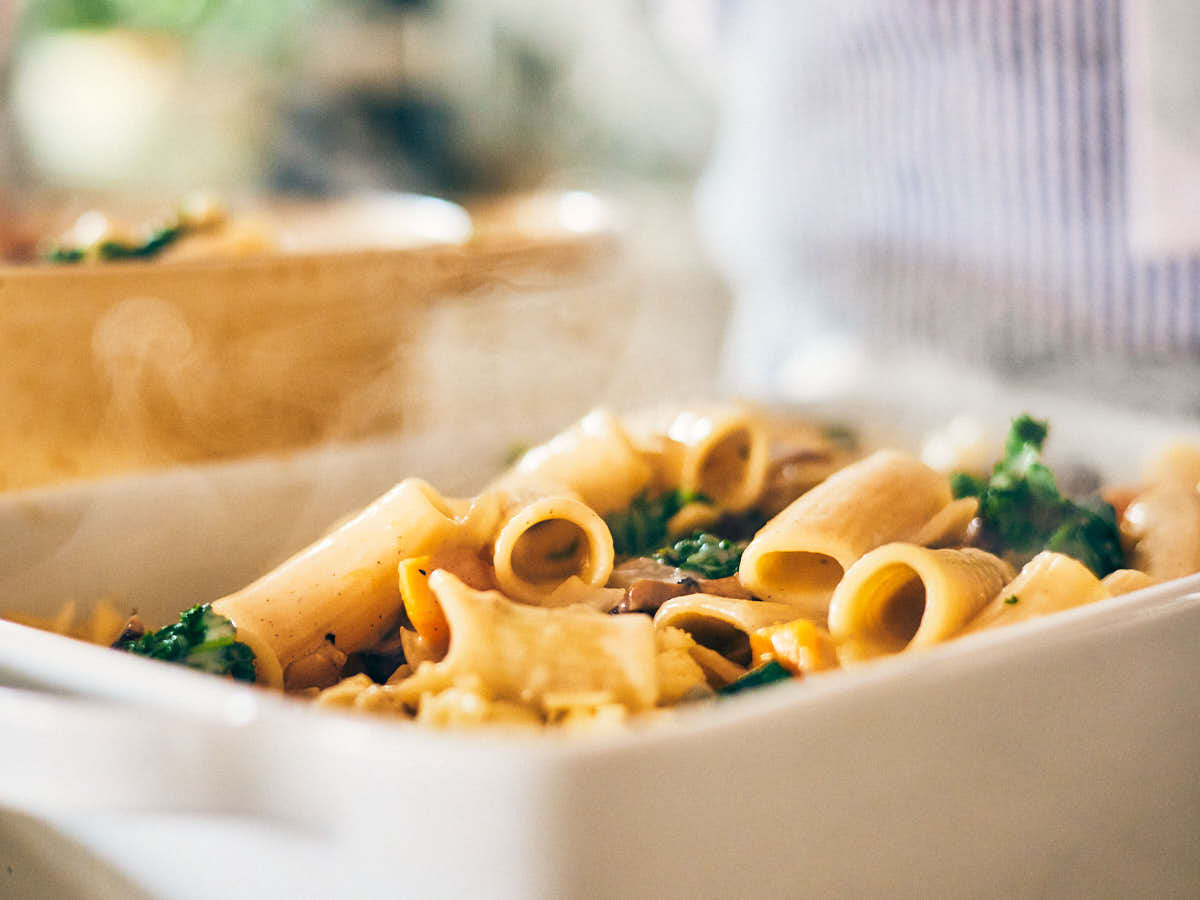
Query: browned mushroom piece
(646, 595)
(637, 568)
(724, 587)
(795, 469)
(649, 584)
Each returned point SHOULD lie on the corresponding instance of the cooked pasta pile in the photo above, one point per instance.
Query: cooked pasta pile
(633, 564)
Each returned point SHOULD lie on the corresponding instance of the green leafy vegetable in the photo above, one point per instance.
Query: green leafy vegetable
(767, 673)
(64, 255)
(158, 240)
(964, 484)
(115, 250)
(1023, 513)
(201, 639)
(1091, 535)
(842, 435)
(642, 528)
(1012, 600)
(710, 555)
(739, 526)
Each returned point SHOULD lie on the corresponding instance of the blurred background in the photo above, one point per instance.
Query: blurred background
(643, 197)
(572, 137)
(320, 97)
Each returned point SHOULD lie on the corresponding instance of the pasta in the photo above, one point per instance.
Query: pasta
(1126, 581)
(346, 584)
(903, 596)
(594, 460)
(1162, 529)
(720, 453)
(630, 565)
(547, 541)
(1048, 583)
(801, 554)
(722, 624)
(506, 651)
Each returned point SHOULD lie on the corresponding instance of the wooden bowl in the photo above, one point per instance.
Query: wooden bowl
(112, 368)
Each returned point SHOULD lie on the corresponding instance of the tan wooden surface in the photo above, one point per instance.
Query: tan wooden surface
(106, 369)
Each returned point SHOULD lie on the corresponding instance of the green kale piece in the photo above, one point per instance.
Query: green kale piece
(201, 639)
(64, 255)
(1089, 533)
(767, 673)
(1023, 513)
(842, 435)
(709, 554)
(642, 528)
(158, 240)
(964, 484)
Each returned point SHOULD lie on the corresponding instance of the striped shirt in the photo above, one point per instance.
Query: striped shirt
(943, 174)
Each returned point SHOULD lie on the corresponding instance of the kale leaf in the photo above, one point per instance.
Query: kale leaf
(1023, 513)
(642, 528)
(201, 639)
(157, 241)
(767, 673)
(709, 554)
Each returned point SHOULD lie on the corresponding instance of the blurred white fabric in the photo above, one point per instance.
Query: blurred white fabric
(954, 178)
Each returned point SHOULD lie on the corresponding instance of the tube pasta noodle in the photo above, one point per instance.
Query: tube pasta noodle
(522, 653)
(554, 538)
(719, 453)
(548, 541)
(1048, 583)
(949, 527)
(514, 607)
(718, 670)
(905, 597)
(800, 556)
(1126, 581)
(1161, 531)
(721, 623)
(345, 584)
(593, 460)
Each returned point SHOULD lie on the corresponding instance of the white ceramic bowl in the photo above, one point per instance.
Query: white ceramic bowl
(1053, 758)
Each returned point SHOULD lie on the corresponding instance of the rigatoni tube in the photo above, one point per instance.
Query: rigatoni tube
(345, 585)
(903, 596)
(594, 460)
(545, 542)
(720, 452)
(800, 556)
(1160, 530)
(723, 624)
(1047, 583)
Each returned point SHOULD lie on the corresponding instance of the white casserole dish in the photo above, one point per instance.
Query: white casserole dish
(1054, 758)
